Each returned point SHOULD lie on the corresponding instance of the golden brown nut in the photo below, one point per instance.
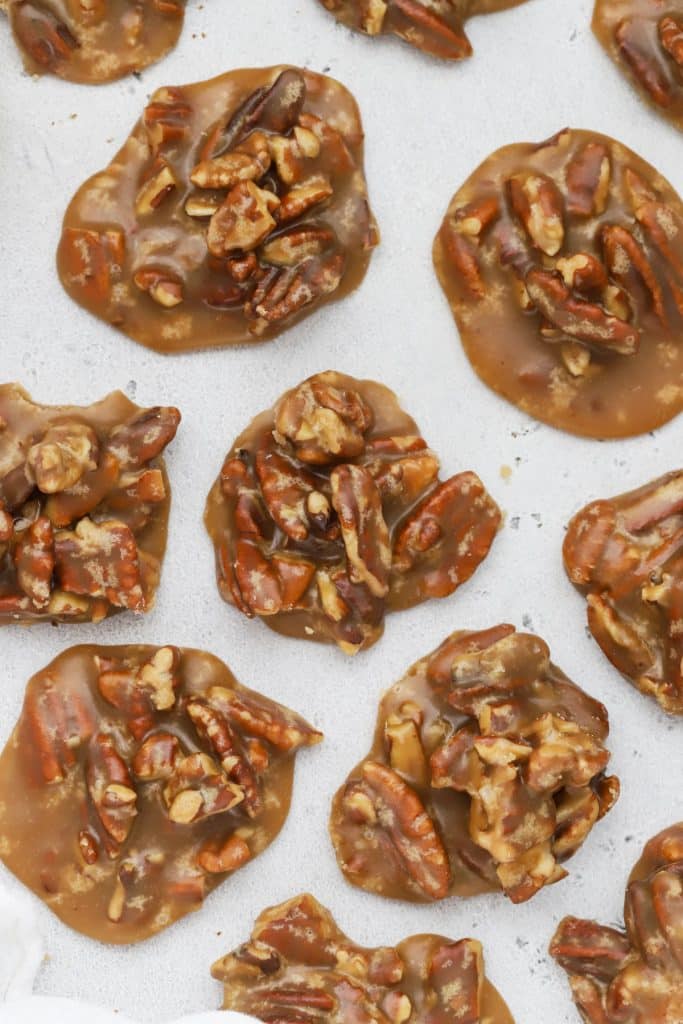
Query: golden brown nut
(563, 266)
(329, 511)
(94, 41)
(135, 779)
(644, 38)
(435, 26)
(299, 966)
(626, 555)
(487, 772)
(634, 976)
(84, 504)
(236, 207)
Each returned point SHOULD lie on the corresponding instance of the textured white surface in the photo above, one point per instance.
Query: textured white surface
(536, 69)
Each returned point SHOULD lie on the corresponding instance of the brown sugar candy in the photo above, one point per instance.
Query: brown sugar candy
(299, 966)
(632, 976)
(563, 265)
(145, 775)
(93, 41)
(487, 772)
(329, 511)
(84, 503)
(626, 555)
(236, 207)
(644, 38)
(435, 26)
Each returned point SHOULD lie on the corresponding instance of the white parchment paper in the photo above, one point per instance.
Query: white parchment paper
(536, 69)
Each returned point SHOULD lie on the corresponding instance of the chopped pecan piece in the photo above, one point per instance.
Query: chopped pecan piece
(626, 554)
(434, 26)
(299, 966)
(636, 974)
(83, 507)
(94, 41)
(488, 717)
(237, 206)
(148, 774)
(329, 510)
(566, 258)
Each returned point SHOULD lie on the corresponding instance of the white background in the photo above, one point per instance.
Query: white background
(428, 124)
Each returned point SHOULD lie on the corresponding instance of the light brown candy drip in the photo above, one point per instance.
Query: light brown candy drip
(563, 265)
(298, 966)
(236, 207)
(487, 772)
(634, 976)
(435, 26)
(84, 503)
(644, 38)
(136, 778)
(94, 41)
(329, 511)
(626, 555)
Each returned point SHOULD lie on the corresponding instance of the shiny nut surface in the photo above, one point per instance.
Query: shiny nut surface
(236, 207)
(94, 41)
(299, 966)
(632, 975)
(435, 26)
(487, 771)
(563, 266)
(626, 555)
(136, 778)
(84, 503)
(644, 38)
(329, 512)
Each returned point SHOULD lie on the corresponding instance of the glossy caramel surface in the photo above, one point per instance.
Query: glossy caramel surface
(602, 357)
(136, 779)
(235, 207)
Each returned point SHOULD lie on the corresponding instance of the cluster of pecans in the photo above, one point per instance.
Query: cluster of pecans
(158, 776)
(83, 507)
(237, 206)
(488, 716)
(298, 960)
(634, 974)
(329, 511)
(570, 255)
